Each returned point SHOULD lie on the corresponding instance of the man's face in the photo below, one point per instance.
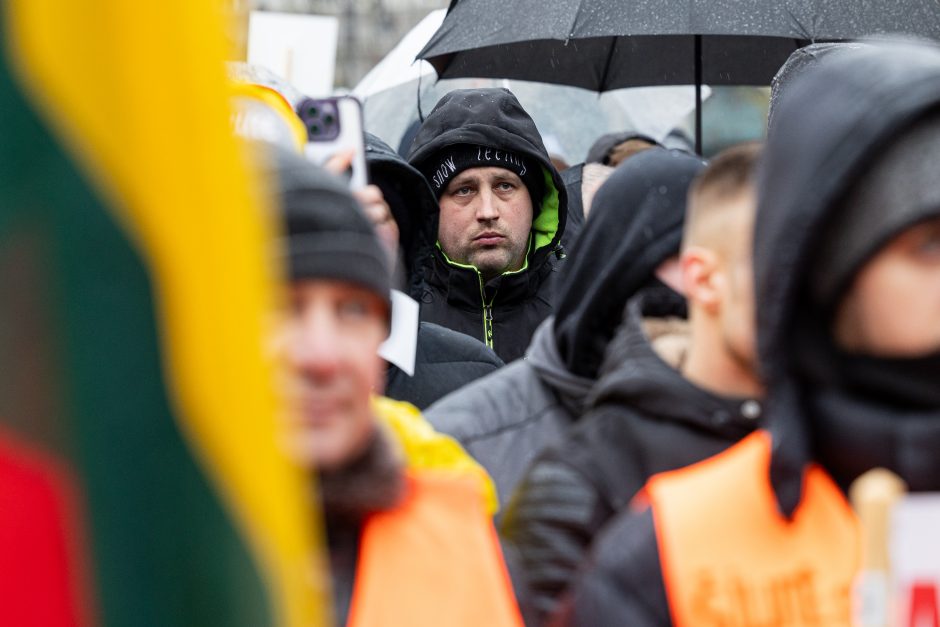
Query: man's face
(892, 308)
(486, 216)
(329, 338)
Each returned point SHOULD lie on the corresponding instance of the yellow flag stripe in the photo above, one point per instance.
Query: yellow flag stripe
(137, 90)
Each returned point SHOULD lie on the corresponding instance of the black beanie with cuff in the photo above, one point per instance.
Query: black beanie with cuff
(328, 235)
(450, 161)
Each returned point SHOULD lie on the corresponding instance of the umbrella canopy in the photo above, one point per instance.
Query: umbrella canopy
(607, 44)
(569, 119)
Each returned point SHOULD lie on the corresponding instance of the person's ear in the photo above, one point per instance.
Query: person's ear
(701, 278)
(670, 273)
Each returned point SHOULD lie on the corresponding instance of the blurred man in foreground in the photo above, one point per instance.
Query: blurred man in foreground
(408, 545)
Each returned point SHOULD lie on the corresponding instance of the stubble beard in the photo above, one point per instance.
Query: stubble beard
(494, 261)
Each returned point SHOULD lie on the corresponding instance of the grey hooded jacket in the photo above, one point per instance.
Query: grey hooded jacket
(505, 418)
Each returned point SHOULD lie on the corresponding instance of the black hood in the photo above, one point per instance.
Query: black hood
(829, 127)
(798, 63)
(635, 224)
(413, 206)
(494, 118)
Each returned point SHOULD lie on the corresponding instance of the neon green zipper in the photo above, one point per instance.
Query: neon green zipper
(487, 306)
(487, 313)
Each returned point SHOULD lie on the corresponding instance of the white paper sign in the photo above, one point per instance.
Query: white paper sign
(301, 49)
(402, 342)
(915, 560)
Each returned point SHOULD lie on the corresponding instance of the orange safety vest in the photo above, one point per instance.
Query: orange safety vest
(433, 560)
(730, 558)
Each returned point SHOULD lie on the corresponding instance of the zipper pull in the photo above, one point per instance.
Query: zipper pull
(488, 310)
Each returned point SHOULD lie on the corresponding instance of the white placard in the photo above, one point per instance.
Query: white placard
(301, 49)
(915, 559)
(402, 342)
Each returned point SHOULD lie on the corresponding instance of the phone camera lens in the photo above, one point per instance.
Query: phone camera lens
(328, 118)
(312, 111)
(314, 129)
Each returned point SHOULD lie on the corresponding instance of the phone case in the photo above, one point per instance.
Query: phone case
(335, 125)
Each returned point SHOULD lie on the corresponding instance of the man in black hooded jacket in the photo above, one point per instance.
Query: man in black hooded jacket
(445, 360)
(505, 419)
(502, 211)
(847, 277)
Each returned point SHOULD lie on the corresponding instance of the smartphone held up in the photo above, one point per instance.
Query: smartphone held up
(335, 130)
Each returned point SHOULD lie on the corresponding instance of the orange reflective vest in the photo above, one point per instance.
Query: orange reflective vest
(433, 560)
(730, 558)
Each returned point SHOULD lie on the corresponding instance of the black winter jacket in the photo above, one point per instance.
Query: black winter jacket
(445, 361)
(505, 311)
(646, 418)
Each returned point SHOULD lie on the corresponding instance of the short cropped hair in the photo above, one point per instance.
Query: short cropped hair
(731, 173)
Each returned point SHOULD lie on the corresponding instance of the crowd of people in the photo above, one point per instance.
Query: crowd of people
(647, 381)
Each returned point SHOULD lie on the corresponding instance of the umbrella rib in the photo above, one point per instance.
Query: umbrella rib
(794, 20)
(574, 20)
(606, 72)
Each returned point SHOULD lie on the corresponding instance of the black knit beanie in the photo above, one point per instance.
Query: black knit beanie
(450, 161)
(328, 235)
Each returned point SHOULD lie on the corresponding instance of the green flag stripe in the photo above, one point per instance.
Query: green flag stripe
(163, 549)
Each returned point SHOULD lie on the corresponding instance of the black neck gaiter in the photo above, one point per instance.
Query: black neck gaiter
(909, 383)
(867, 412)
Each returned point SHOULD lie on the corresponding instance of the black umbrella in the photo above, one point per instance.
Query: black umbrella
(608, 44)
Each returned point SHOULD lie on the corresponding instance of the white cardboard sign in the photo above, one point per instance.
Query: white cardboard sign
(915, 560)
(402, 343)
(301, 49)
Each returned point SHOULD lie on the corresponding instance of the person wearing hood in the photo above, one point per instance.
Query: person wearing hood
(501, 213)
(669, 392)
(401, 508)
(505, 419)
(849, 347)
(614, 148)
(445, 360)
(799, 62)
(583, 180)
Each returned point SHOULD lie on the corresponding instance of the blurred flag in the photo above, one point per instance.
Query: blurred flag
(140, 482)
